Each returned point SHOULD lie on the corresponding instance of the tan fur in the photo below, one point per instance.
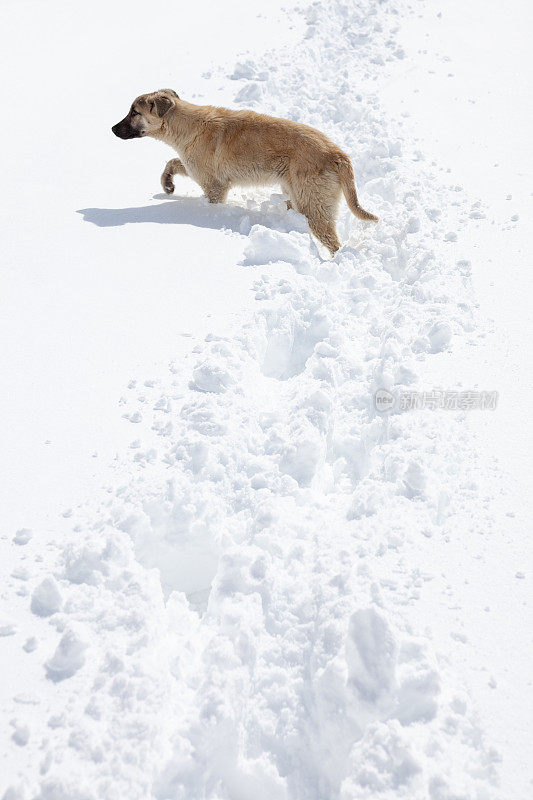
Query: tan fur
(220, 148)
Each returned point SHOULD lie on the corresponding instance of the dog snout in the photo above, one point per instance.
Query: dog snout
(124, 130)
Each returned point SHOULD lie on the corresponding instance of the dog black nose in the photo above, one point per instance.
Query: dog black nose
(114, 129)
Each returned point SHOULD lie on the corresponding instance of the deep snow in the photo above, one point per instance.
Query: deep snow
(324, 618)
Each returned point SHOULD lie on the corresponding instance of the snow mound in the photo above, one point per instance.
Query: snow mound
(46, 598)
(68, 658)
(266, 246)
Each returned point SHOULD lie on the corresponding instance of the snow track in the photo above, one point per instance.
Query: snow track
(283, 649)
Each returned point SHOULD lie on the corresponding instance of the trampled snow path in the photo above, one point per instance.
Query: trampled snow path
(292, 647)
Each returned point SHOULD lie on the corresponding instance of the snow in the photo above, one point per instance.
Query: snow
(226, 573)
(268, 246)
(68, 657)
(481, 81)
(46, 598)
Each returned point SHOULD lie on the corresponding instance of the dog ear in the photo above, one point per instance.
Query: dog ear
(162, 104)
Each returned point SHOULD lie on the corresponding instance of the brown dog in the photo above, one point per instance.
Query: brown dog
(220, 148)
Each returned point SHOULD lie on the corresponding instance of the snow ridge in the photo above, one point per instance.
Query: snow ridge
(277, 652)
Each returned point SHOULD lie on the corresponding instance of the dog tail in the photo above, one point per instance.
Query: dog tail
(347, 181)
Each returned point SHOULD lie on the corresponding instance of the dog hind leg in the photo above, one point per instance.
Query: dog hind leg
(317, 199)
(324, 230)
(285, 188)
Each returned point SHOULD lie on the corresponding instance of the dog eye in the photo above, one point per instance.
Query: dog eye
(134, 113)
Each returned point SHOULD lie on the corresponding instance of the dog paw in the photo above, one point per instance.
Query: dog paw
(167, 183)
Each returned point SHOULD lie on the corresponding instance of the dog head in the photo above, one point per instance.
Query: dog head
(146, 115)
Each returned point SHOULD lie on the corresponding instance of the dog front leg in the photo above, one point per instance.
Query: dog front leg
(174, 167)
(215, 191)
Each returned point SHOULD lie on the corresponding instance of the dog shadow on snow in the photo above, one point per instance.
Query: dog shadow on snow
(199, 212)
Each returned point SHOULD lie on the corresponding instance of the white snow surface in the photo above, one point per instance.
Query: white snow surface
(230, 577)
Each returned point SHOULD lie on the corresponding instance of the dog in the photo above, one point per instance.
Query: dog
(220, 148)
